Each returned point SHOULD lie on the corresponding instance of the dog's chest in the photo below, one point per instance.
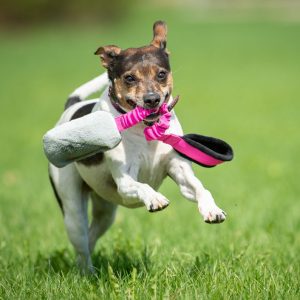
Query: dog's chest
(145, 161)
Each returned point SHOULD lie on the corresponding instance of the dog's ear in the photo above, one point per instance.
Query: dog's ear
(159, 35)
(108, 54)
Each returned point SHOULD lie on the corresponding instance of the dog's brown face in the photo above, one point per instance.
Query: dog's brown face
(140, 76)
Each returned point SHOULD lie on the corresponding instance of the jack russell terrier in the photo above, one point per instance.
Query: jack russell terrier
(131, 173)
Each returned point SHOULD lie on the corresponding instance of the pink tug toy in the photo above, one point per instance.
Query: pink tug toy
(203, 150)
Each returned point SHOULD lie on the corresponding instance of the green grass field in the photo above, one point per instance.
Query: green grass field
(238, 81)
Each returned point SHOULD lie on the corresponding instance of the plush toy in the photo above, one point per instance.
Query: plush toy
(99, 132)
(81, 138)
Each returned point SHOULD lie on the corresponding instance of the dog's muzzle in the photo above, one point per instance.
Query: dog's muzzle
(151, 100)
(154, 117)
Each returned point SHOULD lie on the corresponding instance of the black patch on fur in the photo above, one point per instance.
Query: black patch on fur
(93, 160)
(83, 111)
(125, 62)
(97, 158)
(71, 101)
(58, 199)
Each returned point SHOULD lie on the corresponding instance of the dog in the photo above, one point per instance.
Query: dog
(131, 173)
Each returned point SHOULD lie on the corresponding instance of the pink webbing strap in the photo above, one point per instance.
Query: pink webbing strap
(132, 118)
(157, 132)
(179, 144)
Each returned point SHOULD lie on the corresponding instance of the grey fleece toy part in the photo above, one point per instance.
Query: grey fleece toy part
(81, 138)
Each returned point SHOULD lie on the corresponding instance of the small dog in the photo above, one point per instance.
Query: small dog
(131, 173)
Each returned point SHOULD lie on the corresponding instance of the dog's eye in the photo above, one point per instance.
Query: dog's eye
(161, 75)
(129, 79)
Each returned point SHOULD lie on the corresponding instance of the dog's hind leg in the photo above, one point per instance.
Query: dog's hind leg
(73, 193)
(103, 215)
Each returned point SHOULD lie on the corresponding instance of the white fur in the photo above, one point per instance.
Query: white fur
(129, 176)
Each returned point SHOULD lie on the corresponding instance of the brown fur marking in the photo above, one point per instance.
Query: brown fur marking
(159, 35)
(146, 81)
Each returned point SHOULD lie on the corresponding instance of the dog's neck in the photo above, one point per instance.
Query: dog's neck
(115, 101)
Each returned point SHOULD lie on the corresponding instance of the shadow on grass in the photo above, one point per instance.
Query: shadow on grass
(59, 261)
(121, 262)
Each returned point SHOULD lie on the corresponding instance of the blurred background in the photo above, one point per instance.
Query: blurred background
(38, 12)
(236, 66)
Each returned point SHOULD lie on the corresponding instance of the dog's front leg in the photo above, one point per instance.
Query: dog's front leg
(132, 191)
(180, 170)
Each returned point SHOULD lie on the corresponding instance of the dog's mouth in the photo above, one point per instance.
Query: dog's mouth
(131, 103)
(152, 118)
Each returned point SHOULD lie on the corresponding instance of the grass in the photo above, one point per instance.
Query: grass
(238, 81)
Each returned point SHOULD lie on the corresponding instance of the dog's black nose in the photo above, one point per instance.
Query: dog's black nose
(151, 100)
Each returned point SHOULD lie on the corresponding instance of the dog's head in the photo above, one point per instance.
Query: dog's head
(140, 76)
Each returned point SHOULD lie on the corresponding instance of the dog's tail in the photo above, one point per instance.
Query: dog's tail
(87, 89)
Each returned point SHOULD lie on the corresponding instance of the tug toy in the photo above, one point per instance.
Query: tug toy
(99, 132)
(203, 150)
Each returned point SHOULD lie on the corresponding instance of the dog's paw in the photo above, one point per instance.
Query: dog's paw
(211, 213)
(214, 216)
(85, 266)
(157, 202)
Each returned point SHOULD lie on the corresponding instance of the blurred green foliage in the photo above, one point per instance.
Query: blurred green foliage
(22, 12)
